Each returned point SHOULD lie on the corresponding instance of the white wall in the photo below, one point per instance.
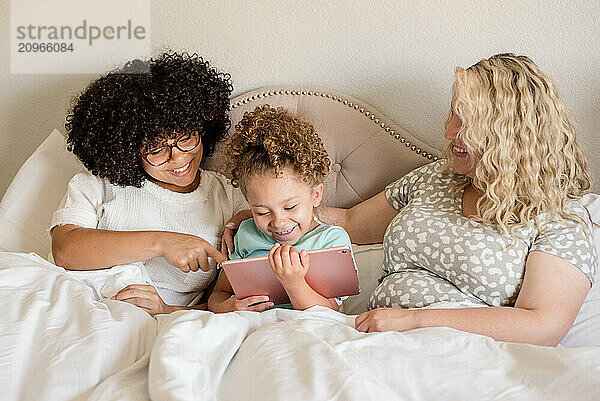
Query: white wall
(398, 56)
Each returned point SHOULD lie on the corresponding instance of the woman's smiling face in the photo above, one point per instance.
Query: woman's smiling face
(179, 172)
(282, 206)
(463, 162)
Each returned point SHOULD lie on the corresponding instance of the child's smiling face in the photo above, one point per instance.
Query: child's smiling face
(282, 206)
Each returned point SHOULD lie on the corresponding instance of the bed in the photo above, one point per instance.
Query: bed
(62, 339)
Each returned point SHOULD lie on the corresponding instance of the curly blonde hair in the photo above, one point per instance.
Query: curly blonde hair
(515, 127)
(270, 139)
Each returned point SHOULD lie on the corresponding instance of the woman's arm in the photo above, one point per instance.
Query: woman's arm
(223, 300)
(146, 297)
(78, 248)
(365, 223)
(231, 226)
(551, 295)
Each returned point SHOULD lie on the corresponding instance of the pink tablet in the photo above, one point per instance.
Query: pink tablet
(332, 273)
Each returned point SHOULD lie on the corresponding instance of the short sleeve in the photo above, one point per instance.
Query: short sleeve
(246, 240)
(399, 192)
(570, 240)
(336, 236)
(81, 202)
(236, 246)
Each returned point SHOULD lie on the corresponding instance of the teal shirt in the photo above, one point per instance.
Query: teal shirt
(250, 242)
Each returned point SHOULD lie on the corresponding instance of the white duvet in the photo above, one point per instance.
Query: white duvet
(58, 341)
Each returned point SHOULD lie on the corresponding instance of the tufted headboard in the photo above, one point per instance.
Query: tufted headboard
(367, 149)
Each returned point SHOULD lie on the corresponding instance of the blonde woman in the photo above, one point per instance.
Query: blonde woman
(496, 226)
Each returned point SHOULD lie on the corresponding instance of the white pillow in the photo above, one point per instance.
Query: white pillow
(592, 202)
(34, 194)
(586, 329)
(369, 259)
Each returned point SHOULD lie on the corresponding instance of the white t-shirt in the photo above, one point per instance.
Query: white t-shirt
(94, 202)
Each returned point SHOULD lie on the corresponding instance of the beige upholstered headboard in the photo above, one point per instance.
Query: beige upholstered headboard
(367, 149)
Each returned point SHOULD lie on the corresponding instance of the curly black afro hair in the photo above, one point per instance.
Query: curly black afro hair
(135, 107)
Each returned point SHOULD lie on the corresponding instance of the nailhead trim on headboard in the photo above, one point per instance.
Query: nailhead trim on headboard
(355, 106)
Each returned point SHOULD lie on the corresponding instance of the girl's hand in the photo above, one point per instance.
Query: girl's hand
(258, 303)
(145, 297)
(189, 252)
(289, 265)
(230, 228)
(386, 319)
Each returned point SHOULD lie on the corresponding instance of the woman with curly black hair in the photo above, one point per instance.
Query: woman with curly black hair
(142, 132)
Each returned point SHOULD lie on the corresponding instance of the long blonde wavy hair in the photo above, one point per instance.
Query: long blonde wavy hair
(516, 130)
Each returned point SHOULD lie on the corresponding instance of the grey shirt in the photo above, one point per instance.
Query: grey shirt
(432, 253)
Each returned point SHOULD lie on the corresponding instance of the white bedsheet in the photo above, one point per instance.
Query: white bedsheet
(59, 342)
(317, 355)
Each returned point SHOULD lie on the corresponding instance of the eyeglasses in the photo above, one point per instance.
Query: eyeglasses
(159, 156)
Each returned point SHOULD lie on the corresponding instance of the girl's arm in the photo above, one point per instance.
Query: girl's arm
(303, 297)
(78, 248)
(218, 300)
(223, 300)
(365, 223)
(551, 295)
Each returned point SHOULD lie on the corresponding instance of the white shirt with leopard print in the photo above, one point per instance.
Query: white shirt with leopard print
(432, 253)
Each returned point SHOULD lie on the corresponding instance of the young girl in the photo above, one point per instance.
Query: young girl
(142, 132)
(280, 163)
